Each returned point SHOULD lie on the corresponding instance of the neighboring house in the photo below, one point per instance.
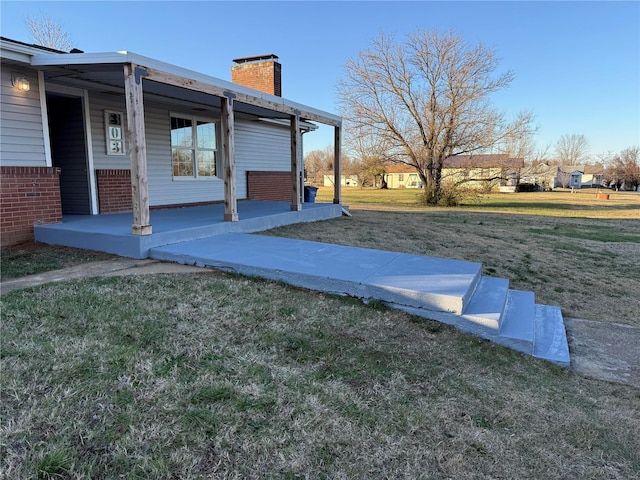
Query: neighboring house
(329, 180)
(402, 176)
(489, 172)
(592, 176)
(486, 171)
(546, 176)
(568, 176)
(94, 133)
(542, 175)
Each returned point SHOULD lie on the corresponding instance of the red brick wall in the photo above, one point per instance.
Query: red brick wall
(114, 191)
(28, 196)
(271, 186)
(263, 76)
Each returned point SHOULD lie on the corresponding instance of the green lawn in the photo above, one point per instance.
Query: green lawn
(563, 203)
(219, 376)
(213, 375)
(30, 259)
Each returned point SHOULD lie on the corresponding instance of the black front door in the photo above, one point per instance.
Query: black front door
(69, 153)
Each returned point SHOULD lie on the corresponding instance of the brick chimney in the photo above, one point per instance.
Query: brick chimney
(260, 73)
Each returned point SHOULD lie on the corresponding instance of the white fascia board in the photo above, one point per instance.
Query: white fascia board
(56, 59)
(11, 49)
(130, 57)
(17, 55)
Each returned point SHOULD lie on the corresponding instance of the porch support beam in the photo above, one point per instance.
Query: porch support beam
(296, 161)
(137, 148)
(229, 158)
(337, 166)
(199, 86)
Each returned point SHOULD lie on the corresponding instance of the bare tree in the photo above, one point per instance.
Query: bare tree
(624, 169)
(522, 146)
(47, 32)
(572, 149)
(318, 161)
(427, 99)
(370, 163)
(540, 155)
(564, 177)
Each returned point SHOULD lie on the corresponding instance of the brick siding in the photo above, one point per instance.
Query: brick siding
(114, 191)
(270, 186)
(263, 76)
(28, 196)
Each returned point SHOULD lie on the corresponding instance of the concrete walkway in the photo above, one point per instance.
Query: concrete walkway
(602, 350)
(450, 291)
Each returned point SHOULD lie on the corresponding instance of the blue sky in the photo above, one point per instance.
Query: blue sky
(577, 64)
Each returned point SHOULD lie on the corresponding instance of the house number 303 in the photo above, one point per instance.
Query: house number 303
(115, 144)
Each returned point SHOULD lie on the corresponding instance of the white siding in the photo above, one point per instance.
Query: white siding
(97, 105)
(163, 189)
(21, 136)
(261, 147)
(257, 146)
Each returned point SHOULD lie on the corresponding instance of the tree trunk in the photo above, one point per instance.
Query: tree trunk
(431, 177)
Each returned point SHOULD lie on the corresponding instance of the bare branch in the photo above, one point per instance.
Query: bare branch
(572, 149)
(427, 99)
(48, 33)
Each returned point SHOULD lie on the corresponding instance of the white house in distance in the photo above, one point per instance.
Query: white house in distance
(491, 171)
(547, 176)
(95, 133)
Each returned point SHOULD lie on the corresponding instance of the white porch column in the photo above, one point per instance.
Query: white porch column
(296, 156)
(229, 158)
(137, 148)
(337, 166)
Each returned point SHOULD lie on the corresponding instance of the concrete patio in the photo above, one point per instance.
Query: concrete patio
(112, 232)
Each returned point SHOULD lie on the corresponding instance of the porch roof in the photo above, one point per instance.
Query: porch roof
(105, 71)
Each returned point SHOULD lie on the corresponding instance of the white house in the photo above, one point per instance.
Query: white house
(568, 176)
(94, 133)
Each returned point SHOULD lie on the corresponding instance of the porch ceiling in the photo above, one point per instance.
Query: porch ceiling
(104, 72)
(110, 79)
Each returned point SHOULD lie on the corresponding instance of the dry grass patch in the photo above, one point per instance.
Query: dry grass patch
(559, 203)
(32, 258)
(219, 376)
(589, 267)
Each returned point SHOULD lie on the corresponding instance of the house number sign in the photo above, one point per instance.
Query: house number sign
(114, 135)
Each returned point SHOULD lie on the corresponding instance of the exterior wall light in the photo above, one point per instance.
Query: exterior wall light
(20, 82)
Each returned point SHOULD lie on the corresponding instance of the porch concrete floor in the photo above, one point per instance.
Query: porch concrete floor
(112, 232)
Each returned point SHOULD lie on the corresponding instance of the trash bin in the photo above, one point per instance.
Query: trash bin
(310, 194)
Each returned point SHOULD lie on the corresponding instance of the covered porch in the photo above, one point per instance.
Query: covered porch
(151, 90)
(112, 233)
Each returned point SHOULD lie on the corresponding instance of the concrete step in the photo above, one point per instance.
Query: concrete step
(516, 330)
(487, 303)
(518, 315)
(550, 336)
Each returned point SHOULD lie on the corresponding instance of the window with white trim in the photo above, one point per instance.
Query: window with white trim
(193, 147)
